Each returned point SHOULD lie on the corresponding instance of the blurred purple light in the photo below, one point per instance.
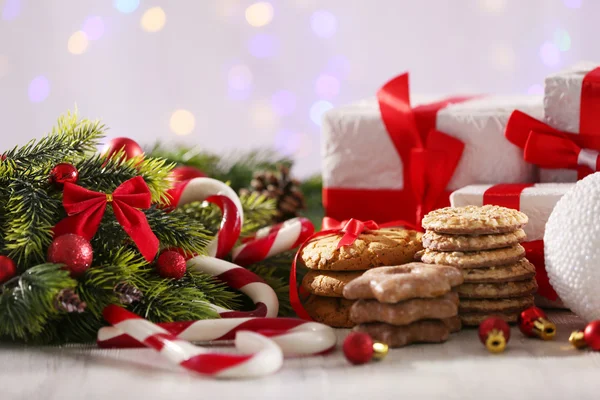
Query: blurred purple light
(318, 109)
(39, 89)
(239, 95)
(11, 9)
(327, 87)
(550, 54)
(572, 3)
(283, 102)
(287, 142)
(323, 23)
(93, 27)
(338, 66)
(240, 77)
(263, 45)
(535, 89)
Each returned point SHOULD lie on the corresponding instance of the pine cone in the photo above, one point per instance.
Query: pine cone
(279, 186)
(127, 293)
(69, 301)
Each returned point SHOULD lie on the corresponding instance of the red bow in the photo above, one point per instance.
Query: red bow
(432, 168)
(547, 147)
(331, 223)
(86, 209)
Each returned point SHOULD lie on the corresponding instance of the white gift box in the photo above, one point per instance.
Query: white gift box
(562, 109)
(537, 202)
(358, 153)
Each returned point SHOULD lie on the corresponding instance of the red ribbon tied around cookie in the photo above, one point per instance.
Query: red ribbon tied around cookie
(86, 209)
(547, 147)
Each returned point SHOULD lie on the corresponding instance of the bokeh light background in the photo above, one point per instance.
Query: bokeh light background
(230, 74)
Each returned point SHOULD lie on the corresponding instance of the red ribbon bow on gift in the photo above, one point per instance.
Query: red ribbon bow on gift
(547, 147)
(86, 209)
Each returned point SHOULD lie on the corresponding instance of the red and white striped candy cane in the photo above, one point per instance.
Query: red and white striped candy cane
(260, 355)
(294, 336)
(273, 240)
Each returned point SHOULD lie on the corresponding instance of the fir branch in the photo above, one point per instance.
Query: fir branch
(71, 137)
(30, 214)
(312, 188)
(176, 229)
(259, 211)
(236, 168)
(28, 306)
(104, 175)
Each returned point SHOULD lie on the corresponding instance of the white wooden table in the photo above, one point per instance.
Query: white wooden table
(459, 369)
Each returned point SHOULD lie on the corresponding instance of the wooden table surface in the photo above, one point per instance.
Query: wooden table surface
(459, 369)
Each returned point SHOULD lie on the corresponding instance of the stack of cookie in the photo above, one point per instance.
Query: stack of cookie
(483, 242)
(411, 303)
(330, 268)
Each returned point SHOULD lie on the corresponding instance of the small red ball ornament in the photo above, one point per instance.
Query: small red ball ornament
(591, 335)
(534, 323)
(72, 250)
(494, 333)
(185, 173)
(171, 264)
(359, 348)
(130, 148)
(63, 173)
(8, 268)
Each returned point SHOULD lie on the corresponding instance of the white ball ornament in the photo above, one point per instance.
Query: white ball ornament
(572, 248)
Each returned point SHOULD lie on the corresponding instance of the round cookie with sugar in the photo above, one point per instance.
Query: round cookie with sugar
(402, 282)
(447, 242)
(371, 249)
(474, 259)
(332, 311)
(405, 312)
(328, 283)
(497, 290)
(491, 306)
(471, 220)
(475, 319)
(522, 270)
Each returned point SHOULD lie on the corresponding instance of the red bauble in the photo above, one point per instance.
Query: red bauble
(358, 348)
(72, 250)
(171, 264)
(591, 335)
(534, 323)
(63, 173)
(129, 147)
(8, 268)
(494, 333)
(185, 172)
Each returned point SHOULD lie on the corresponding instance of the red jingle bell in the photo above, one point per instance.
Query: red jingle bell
(72, 250)
(129, 147)
(63, 173)
(8, 269)
(591, 335)
(534, 323)
(359, 348)
(171, 264)
(494, 333)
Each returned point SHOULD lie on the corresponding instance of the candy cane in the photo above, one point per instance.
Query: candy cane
(273, 240)
(294, 336)
(261, 356)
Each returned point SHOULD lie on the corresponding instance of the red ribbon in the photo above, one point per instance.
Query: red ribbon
(509, 195)
(350, 230)
(547, 147)
(86, 209)
(589, 112)
(432, 168)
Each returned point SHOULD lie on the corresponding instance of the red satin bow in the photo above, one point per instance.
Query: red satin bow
(86, 209)
(331, 223)
(432, 168)
(547, 147)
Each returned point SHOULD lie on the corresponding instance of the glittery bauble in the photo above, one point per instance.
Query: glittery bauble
(591, 335)
(358, 348)
(8, 268)
(494, 333)
(130, 148)
(63, 173)
(171, 264)
(185, 173)
(572, 248)
(72, 250)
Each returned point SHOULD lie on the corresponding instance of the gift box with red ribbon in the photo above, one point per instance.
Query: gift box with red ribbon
(388, 159)
(535, 200)
(571, 108)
